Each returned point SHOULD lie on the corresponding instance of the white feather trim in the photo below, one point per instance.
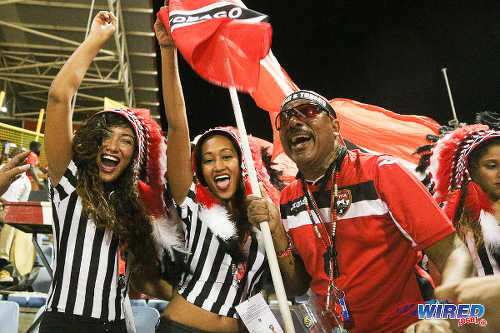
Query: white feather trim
(218, 221)
(491, 232)
(167, 234)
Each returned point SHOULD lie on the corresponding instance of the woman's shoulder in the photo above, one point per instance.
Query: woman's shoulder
(68, 181)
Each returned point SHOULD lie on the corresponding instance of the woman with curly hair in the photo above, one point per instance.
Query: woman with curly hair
(95, 179)
(465, 176)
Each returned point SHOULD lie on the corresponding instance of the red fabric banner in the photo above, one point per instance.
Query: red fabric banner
(222, 41)
(383, 131)
(274, 85)
(227, 44)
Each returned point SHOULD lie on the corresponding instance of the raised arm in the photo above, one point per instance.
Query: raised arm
(59, 131)
(179, 172)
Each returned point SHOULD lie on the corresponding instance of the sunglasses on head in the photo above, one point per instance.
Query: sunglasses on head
(301, 112)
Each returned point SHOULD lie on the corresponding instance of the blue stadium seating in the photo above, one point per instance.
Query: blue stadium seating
(28, 300)
(9, 317)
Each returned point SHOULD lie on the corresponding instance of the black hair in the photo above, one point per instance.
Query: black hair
(35, 145)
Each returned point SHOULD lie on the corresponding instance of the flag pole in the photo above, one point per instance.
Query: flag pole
(264, 226)
(454, 122)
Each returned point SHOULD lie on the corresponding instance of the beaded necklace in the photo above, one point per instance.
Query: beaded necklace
(329, 241)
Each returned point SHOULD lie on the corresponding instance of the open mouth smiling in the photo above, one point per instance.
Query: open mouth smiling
(298, 141)
(222, 182)
(109, 162)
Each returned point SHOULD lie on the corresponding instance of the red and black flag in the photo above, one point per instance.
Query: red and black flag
(223, 41)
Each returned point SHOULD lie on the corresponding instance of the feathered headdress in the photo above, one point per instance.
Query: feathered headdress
(449, 160)
(448, 169)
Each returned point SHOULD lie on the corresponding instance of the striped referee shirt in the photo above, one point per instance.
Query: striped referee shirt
(85, 261)
(210, 281)
(486, 256)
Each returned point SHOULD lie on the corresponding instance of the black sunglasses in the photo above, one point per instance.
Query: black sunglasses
(301, 112)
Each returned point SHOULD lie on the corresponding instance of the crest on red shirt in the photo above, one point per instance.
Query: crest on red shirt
(343, 202)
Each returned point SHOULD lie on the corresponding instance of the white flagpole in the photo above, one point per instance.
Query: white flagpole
(455, 123)
(264, 226)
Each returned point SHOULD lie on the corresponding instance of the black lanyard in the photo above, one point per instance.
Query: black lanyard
(329, 241)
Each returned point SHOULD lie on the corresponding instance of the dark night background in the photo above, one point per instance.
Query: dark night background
(386, 53)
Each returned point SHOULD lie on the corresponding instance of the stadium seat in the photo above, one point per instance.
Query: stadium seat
(37, 301)
(145, 319)
(9, 317)
(20, 299)
(27, 300)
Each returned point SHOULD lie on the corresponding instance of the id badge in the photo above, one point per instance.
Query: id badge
(257, 316)
(326, 320)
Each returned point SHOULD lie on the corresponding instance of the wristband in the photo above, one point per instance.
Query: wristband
(286, 252)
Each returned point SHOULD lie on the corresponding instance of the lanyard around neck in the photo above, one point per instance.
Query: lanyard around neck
(328, 241)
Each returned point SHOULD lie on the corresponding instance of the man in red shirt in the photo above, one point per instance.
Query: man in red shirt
(352, 226)
(33, 162)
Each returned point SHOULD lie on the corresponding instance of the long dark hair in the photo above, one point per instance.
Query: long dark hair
(236, 206)
(462, 221)
(116, 206)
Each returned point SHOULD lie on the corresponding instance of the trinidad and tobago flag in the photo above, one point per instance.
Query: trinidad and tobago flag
(229, 45)
(223, 41)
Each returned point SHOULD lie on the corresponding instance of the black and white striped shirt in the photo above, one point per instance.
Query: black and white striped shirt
(85, 261)
(210, 281)
(486, 256)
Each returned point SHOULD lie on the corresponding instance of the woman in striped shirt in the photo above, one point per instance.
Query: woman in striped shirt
(465, 169)
(95, 201)
(226, 260)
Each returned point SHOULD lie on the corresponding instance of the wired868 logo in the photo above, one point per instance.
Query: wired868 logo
(463, 313)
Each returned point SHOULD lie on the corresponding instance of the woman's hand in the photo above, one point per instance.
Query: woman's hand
(260, 209)
(162, 34)
(103, 26)
(429, 326)
(12, 171)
